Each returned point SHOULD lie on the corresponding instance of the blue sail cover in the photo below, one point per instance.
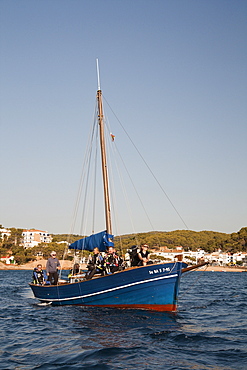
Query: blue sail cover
(101, 240)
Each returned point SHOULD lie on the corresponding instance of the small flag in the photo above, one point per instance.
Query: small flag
(112, 137)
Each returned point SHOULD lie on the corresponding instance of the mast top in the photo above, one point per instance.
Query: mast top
(97, 66)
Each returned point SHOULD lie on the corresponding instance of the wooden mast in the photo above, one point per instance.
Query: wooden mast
(103, 157)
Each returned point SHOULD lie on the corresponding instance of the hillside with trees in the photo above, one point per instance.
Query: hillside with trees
(210, 241)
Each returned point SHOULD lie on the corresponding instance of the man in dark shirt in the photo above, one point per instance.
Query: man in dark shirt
(112, 260)
(95, 264)
(52, 266)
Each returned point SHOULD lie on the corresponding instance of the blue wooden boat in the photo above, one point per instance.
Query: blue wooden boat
(153, 287)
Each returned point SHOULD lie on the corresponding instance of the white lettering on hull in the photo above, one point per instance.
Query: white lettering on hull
(159, 271)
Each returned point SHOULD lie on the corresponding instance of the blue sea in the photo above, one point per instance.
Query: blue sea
(209, 331)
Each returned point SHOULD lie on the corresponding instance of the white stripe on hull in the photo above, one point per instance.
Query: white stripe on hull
(107, 290)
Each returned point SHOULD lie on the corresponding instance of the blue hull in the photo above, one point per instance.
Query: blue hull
(152, 287)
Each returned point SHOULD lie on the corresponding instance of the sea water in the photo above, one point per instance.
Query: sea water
(209, 331)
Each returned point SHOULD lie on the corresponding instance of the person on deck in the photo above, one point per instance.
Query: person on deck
(75, 273)
(52, 267)
(39, 276)
(75, 269)
(133, 252)
(95, 264)
(112, 261)
(143, 255)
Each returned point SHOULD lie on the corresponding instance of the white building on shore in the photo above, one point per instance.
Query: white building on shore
(226, 258)
(5, 233)
(197, 255)
(33, 237)
(193, 257)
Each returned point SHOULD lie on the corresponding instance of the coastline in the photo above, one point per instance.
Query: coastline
(223, 269)
(66, 265)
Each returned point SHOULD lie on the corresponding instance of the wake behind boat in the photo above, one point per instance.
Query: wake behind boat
(153, 287)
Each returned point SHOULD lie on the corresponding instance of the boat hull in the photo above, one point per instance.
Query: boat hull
(153, 287)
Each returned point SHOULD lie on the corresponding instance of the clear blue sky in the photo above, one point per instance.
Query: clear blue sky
(174, 71)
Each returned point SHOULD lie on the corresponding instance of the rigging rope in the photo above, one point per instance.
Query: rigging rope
(84, 180)
(95, 182)
(145, 162)
(113, 148)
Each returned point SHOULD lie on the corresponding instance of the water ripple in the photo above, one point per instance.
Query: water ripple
(209, 331)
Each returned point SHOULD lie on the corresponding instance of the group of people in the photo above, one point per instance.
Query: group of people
(112, 262)
(97, 264)
(103, 265)
(50, 277)
(136, 256)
